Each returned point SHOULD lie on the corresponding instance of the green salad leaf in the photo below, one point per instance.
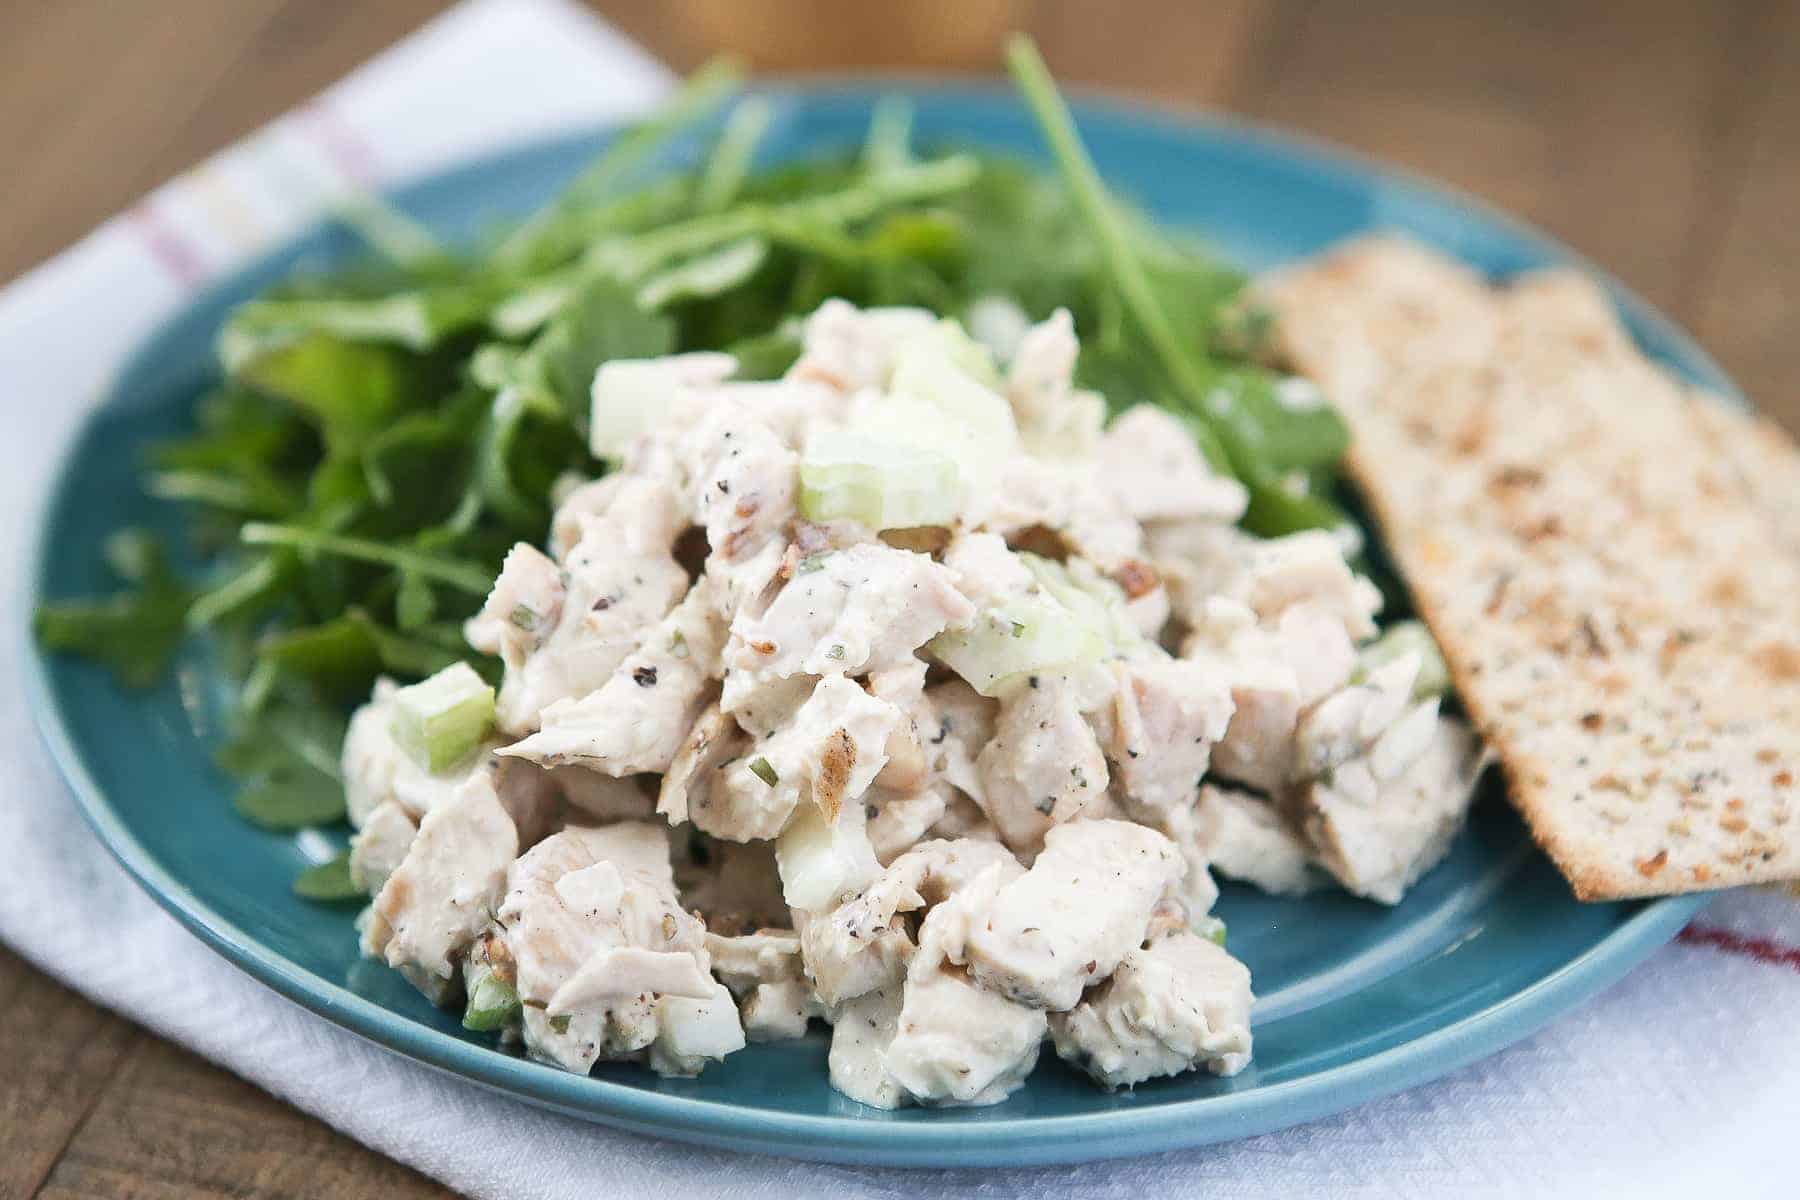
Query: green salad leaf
(328, 882)
(135, 631)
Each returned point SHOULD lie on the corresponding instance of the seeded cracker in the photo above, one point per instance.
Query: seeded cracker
(1610, 562)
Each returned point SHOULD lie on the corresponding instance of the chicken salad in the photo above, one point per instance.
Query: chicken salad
(969, 796)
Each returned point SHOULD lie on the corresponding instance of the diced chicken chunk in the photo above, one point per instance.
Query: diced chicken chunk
(621, 578)
(1067, 501)
(987, 570)
(965, 723)
(951, 1041)
(638, 720)
(1247, 838)
(608, 963)
(779, 1011)
(836, 746)
(1276, 671)
(829, 754)
(1380, 821)
(521, 610)
(743, 483)
(862, 944)
(380, 846)
(586, 500)
(861, 1031)
(1043, 764)
(1351, 721)
(1054, 418)
(1178, 1004)
(1258, 746)
(377, 771)
(899, 820)
(444, 891)
(761, 702)
(956, 1042)
(1168, 714)
(1197, 892)
(1068, 921)
(713, 742)
(849, 348)
(764, 971)
(903, 686)
(746, 960)
(851, 611)
(1310, 567)
(1152, 467)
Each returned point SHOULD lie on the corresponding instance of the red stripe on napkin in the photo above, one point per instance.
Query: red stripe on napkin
(167, 247)
(348, 150)
(1763, 950)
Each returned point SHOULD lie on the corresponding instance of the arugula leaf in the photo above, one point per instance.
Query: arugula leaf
(730, 162)
(416, 320)
(546, 235)
(133, 632)
(342, 657)
(328, 881)
(765, 356)
(296, 801)
(467, 576)
(351, 390)
(602, 319)
(393, 235)
(704, 275)
(288, 736)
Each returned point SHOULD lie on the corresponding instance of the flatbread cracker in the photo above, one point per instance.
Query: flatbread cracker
(1608, 558)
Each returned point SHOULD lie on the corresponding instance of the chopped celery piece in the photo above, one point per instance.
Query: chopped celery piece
(948, 341)
(493, 1004)
(819, 861)
(441, 720)
(930, 370)
(999, 324)
(1095, 600)
(1025, 634)
(631, 395)
(1397, 641)
(883, 484)
(978, 453)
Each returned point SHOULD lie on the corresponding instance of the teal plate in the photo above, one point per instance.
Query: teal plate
(1355, 1000)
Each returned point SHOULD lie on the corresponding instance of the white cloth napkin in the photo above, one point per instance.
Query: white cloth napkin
(1684, 1077)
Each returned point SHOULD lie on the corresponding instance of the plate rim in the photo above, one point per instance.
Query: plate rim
(1022, 1140)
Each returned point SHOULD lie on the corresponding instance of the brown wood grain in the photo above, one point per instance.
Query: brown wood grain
(1746, 303)
(60, 1054)
(1656, 137)
(178, 1128)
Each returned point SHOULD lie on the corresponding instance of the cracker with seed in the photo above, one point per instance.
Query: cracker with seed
(1610, 561)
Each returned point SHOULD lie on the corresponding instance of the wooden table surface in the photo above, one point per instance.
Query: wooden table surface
(1658, 138)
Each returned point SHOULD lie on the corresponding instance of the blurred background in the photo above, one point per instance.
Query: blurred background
(1657, 137)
